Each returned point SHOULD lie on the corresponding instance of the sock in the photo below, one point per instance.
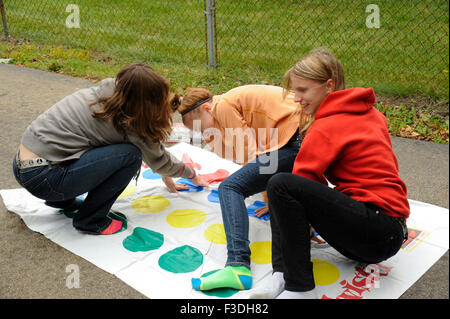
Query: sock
(114, 227)
(119, 223)
(236, 277)
(287, 294)
(272, 288)
(119, 217)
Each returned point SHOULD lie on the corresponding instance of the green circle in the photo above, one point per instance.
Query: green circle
(218, 292)
(143, 239)
(182, 259)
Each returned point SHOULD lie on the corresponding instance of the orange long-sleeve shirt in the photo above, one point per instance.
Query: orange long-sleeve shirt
(251, 120)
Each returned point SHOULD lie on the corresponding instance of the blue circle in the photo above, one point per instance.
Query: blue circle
(188, 183)
(257, 204)
(214, 196)
(148, 174)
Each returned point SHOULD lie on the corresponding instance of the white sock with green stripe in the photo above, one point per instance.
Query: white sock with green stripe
(236, 277)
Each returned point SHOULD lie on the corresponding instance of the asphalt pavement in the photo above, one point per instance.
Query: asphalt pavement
(32, 266)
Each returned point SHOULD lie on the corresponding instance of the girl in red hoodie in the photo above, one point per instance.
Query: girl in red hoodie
(348, 145)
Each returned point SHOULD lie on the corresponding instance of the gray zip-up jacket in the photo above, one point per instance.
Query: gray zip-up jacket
(67, 130)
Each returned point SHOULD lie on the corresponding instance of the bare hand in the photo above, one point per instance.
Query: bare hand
(317, 239)
(172, 186)
(261, 211)
(198, 181)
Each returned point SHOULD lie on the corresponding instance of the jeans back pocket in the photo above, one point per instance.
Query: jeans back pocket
(44, 190)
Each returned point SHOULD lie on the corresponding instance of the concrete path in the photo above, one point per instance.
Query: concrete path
(32, 266)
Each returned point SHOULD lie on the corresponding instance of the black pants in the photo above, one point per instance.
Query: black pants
(358, 231)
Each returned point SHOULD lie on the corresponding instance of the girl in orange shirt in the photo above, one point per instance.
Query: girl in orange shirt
(255, 126)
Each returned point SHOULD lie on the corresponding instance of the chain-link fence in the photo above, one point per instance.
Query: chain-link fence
(399, 46)
(134, 30)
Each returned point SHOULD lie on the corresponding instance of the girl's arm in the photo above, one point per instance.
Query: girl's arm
(316, 154)
(160, 160)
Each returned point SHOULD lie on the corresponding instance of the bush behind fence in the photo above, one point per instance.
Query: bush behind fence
(397, 46)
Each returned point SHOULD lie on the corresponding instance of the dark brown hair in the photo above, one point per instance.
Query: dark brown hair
(139, 104)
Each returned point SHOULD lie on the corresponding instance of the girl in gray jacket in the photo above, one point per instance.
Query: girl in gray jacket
(94, 141)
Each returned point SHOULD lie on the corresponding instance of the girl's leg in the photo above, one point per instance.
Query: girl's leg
(356, 230)
(103, 172)
(275, 284)
(247, 181)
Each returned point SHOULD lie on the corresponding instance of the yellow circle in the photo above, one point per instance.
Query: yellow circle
(325, 273)
(216, 234)
(150, 204)
(128, 191)
(261, 252)
(186, 218)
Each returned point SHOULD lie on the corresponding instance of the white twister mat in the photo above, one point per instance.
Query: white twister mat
(172, 238)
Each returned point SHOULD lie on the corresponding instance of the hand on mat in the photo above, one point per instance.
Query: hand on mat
(261, 211)
(172, 186)
(198, 181)
(317, 239)
(314, 236)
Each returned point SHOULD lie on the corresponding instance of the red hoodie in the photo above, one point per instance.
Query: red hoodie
(349, 145)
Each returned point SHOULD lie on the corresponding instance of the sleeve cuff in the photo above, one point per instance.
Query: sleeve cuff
(187, 172)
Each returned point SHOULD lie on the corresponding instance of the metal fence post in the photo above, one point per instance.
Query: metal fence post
(210, 14)
(5, 26)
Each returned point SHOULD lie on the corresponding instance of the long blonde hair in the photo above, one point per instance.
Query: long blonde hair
(319, 65)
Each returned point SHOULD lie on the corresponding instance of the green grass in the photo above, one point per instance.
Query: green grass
(406, 55)
(257, 41)
(406, 121)
(410, 123)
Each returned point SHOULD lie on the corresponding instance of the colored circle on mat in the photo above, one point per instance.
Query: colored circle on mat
(188, 183)
(186, 218)
(128, 191)
(219, 292)
(253, 207)
(213, 197)
(150, 204)
(325, 273)
(216, 234)
(182, 259)
(261, 252)
(143, 239)
(148, 174)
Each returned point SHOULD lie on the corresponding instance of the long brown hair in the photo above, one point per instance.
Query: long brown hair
(139, 104)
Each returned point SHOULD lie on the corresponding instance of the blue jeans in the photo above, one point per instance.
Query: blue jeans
(103, 172)
(247, 181)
